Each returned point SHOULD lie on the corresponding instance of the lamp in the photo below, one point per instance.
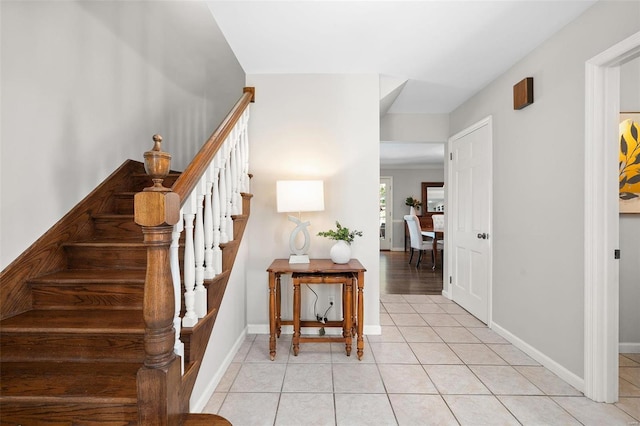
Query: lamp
(299, 196)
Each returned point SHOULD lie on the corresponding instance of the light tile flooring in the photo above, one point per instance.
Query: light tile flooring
(434, 364)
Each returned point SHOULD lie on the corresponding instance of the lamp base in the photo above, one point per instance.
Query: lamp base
(299, 258)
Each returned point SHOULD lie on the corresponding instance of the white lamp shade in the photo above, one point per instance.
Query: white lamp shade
(300, 195)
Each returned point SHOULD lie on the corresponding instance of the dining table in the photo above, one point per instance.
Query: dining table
(436, 234)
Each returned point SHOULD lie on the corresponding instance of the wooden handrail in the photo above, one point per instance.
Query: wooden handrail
(187, 181)
(157, 209)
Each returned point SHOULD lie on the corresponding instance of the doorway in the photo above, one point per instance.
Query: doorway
(385, 218)
(469, 230)
(601, 222)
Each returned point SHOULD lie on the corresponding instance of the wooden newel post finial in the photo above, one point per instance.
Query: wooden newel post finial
(157, 165)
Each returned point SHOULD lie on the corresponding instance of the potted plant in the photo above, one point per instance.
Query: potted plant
(413, 203)
(341, 250)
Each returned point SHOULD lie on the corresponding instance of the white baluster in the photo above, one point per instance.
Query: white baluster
(235, 193)
(238, 162)
(174, 260)
(190, 317)
(215, 201)
(229, 195)
(239, 169)
(200, 292)
(245, 152)
(210, 269)
(241, 182)
(224, 237)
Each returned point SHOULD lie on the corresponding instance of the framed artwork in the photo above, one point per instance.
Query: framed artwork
(629, 162)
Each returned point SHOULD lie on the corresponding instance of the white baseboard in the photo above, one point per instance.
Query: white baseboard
(629, 348)
(258, 329)
(200, 403)
(368, 330)
(372, 330)
(553, 366)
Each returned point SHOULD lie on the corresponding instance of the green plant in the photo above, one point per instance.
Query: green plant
(340, 233)
(413, 202)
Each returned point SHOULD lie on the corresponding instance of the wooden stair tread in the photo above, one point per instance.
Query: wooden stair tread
(113, 216)
(75, 321)
(88, 276)
(51, 381)
(202, 419)
(74, 357)
(132, 242)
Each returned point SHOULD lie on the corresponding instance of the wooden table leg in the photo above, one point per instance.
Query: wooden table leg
(347, 313)
(278, 306)
(272, 316)
(296, 316)
(354, 307)
(360, 314)
(435, 250)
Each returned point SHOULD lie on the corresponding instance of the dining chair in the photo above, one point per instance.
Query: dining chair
(418, 241)
(438, 224)
(438, 221)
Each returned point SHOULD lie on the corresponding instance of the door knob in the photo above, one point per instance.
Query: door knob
(482, 236)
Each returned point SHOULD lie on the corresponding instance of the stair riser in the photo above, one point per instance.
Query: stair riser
(123, 205)
(71, 347)
(96, 296)
(66, 413)
(82, 257)
(117, 227)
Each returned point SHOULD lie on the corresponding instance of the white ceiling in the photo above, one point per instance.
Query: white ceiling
(431, 55)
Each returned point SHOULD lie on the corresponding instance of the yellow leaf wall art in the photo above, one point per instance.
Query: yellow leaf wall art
(629, 163)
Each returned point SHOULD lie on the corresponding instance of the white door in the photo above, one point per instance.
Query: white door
(385, 218)
(469, 221)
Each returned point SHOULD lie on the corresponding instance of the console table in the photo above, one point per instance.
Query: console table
(315, 268)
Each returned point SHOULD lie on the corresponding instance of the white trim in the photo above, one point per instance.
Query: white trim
(198, 405)
(368, 330)
(629, 348)
(560, 371)
(372, 330)
(258, 329)
(601, 292)
(447, 288)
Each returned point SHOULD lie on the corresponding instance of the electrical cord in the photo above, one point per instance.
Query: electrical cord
(320, 318)
(325, 312)
(315, 303)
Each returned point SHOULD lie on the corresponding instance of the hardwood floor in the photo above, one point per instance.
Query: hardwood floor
(398, 277)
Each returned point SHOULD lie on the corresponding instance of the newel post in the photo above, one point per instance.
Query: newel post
(157, 209)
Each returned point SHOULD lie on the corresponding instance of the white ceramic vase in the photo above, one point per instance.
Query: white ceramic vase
(340, 252)
(412, 211)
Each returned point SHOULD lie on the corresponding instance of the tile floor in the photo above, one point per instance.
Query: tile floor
(434, 364)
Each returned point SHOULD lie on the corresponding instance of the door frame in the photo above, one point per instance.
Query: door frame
(389, 224)
(601, 219)
(449, 194)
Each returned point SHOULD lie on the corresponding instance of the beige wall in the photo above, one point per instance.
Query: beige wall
(84, 87)
(630, 230)
(538, 287)
(414, 127)
(308, 126)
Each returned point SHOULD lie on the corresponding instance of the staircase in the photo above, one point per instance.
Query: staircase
(72, 329)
